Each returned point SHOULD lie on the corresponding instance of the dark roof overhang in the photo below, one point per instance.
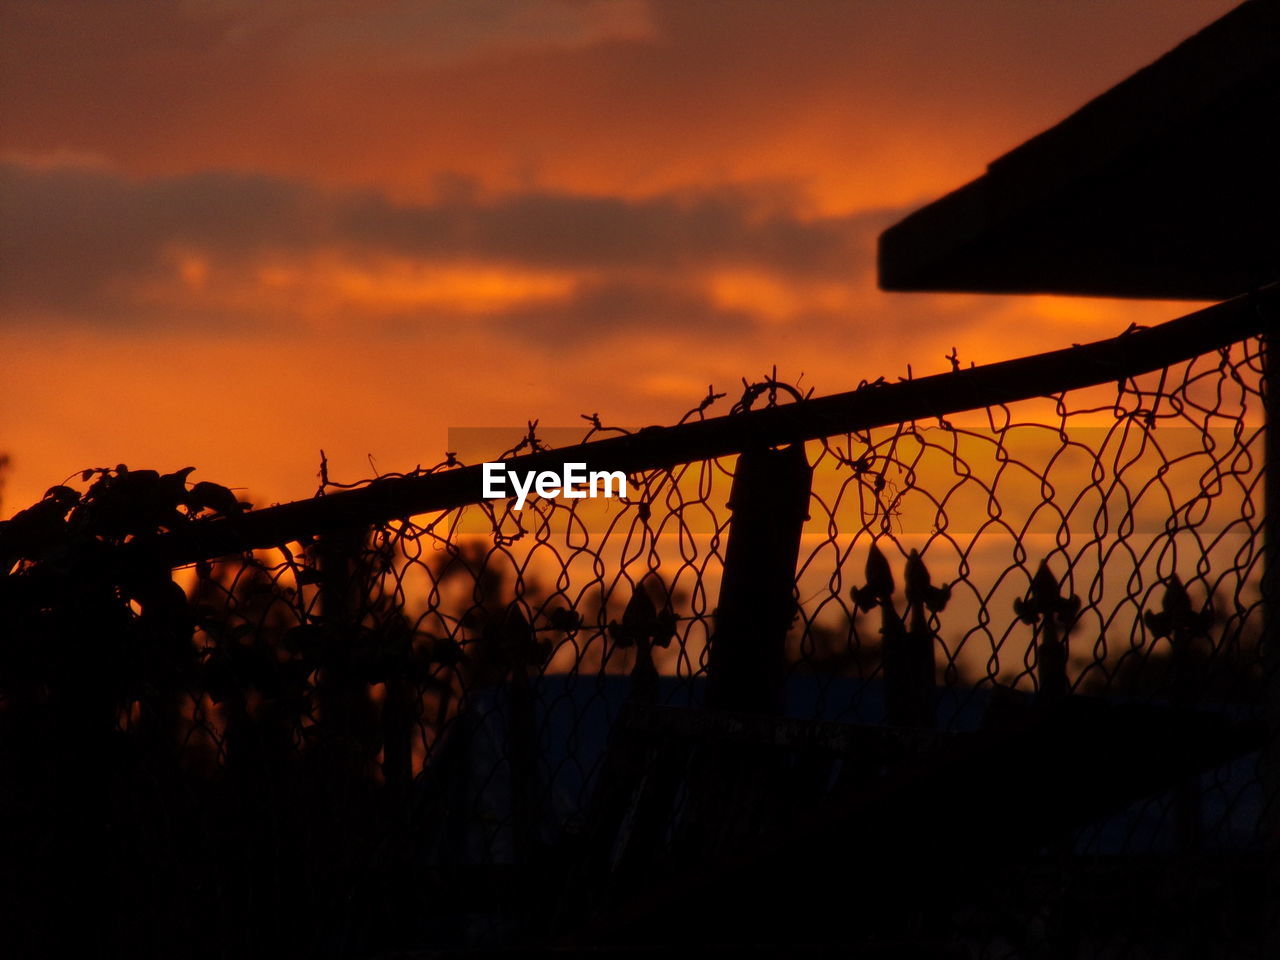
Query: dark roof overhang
(1166, 186)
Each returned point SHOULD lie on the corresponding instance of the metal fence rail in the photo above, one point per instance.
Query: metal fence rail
(877, 404)
(989, 645)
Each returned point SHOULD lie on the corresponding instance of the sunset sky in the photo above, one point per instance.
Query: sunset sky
(233, 232)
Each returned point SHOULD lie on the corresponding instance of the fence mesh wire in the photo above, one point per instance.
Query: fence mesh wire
(374, 738)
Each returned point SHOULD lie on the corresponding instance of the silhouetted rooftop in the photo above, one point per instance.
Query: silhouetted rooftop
(1165, 186)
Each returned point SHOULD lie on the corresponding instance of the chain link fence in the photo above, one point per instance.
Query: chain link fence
(970, 664)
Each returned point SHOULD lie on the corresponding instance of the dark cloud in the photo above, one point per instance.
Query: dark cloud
(602, 309)
(82, 241)
(723, 227)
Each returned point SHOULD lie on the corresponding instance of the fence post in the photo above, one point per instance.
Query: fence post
(769, 501)
(911, 699)
(1046, 606)
(907, 650)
